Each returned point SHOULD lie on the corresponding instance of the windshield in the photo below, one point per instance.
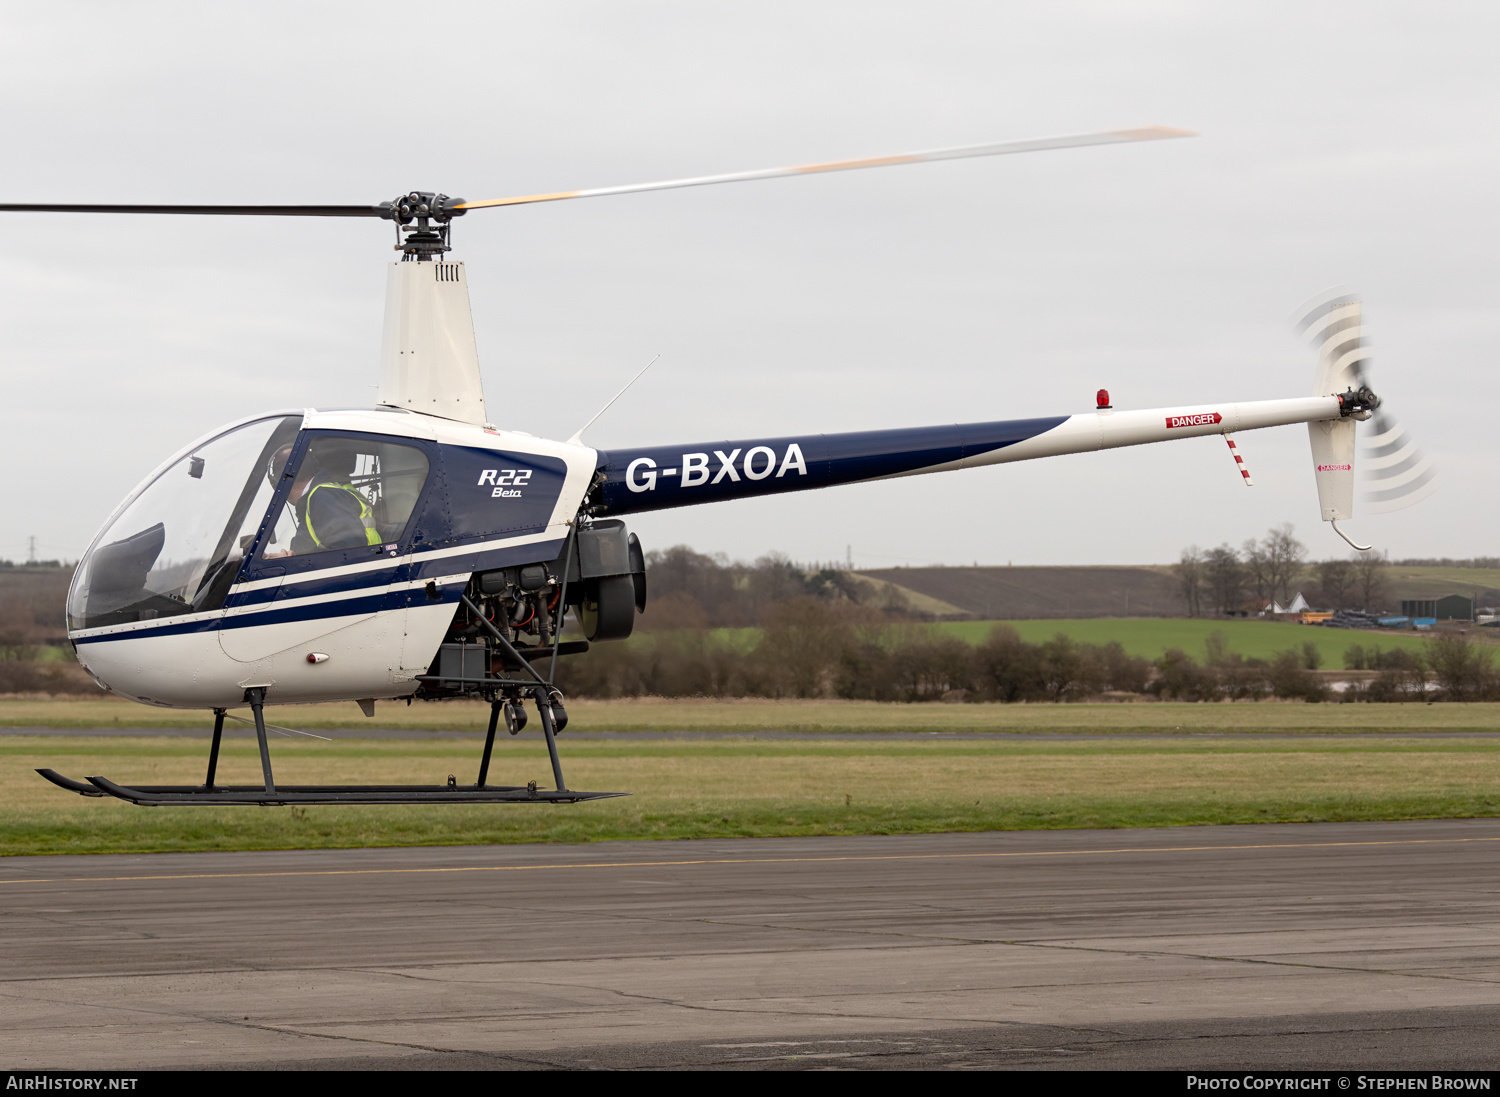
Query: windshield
(178, 546)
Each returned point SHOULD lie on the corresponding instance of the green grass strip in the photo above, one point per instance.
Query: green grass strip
(811, 717)
(748, 788)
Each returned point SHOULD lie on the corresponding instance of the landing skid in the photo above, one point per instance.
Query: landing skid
(159, 795)
(269, 794)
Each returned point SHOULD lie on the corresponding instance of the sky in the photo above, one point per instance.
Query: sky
(1340, 144)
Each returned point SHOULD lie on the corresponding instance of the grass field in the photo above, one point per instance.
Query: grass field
(1150, 637)
(744, 788)
(808, 717)
(1424, 582)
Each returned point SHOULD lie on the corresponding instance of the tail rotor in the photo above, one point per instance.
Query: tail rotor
(1396, 473)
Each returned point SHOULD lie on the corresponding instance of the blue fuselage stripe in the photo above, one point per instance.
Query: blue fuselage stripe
(314, 585)
(380, 597)
(657, 477)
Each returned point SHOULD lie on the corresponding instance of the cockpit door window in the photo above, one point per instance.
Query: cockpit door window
(348, 492)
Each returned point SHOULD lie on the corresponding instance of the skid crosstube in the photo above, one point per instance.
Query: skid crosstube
(153, 795)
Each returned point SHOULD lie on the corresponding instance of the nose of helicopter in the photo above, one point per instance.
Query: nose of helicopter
(171, 551)
(175, 545)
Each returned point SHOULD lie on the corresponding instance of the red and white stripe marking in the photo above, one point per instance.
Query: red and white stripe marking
(1239, 461)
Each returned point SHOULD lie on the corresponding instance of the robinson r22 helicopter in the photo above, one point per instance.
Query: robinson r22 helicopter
(415, 550)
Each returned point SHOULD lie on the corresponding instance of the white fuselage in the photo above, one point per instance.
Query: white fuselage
(206, 660)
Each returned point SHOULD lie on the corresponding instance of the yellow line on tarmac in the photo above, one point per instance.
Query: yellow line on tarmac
(742, 861)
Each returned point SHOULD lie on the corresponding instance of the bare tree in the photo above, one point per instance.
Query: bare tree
(1369, 580)
(1285, 557)
(803, 640)
(1337, 578)
(1189, 571)
(1462, 669)
(1272, 566)
(1225, 576)
(1258, 573)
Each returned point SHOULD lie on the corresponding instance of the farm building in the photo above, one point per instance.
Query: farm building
(1451, 607)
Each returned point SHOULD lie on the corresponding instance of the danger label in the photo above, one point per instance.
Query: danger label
(1202, 419)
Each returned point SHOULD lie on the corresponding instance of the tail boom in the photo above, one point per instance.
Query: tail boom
(658, 477)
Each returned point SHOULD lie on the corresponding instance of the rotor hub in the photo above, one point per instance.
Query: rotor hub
(423, 220)
(1360, 404)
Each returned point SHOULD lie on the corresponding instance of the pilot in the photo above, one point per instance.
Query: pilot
(331, 512)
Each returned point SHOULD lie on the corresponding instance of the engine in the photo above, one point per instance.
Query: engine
(517, 614)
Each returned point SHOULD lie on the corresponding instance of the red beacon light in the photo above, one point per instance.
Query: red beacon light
(1102, 399)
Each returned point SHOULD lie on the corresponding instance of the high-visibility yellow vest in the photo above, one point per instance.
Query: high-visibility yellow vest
(366, 513)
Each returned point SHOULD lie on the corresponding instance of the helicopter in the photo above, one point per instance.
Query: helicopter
(416, 550)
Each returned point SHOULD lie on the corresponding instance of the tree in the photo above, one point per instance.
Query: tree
(1180, 678)
(805, 638)
(1009, 669)
(1225, 577)
(774, 578)
(1189, 571)
(711, 581)
(1369, 581)
(1271, 566)
(929, 665)
(1067, 671)
(1337, 578)
(1257, 570)
(1463, 670)
(1284, 560)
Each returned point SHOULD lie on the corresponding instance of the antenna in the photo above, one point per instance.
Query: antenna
(577, 439)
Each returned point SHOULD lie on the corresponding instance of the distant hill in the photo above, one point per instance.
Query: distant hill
(1017, 593)
(1482, 584)
(1032, 593)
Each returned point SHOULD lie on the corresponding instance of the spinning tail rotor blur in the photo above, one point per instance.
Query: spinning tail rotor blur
(1396, 473)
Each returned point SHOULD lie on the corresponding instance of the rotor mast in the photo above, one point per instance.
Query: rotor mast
(429, 362)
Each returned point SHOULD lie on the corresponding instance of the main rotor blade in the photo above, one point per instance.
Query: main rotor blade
(1107, 137)
(241, 211)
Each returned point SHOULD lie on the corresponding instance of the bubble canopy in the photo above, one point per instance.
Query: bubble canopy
(177, 546)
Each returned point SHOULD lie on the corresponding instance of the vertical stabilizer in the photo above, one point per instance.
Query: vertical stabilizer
(428, 360)
(1333, 466)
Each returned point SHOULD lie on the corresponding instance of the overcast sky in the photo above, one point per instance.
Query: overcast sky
(1341, 143)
